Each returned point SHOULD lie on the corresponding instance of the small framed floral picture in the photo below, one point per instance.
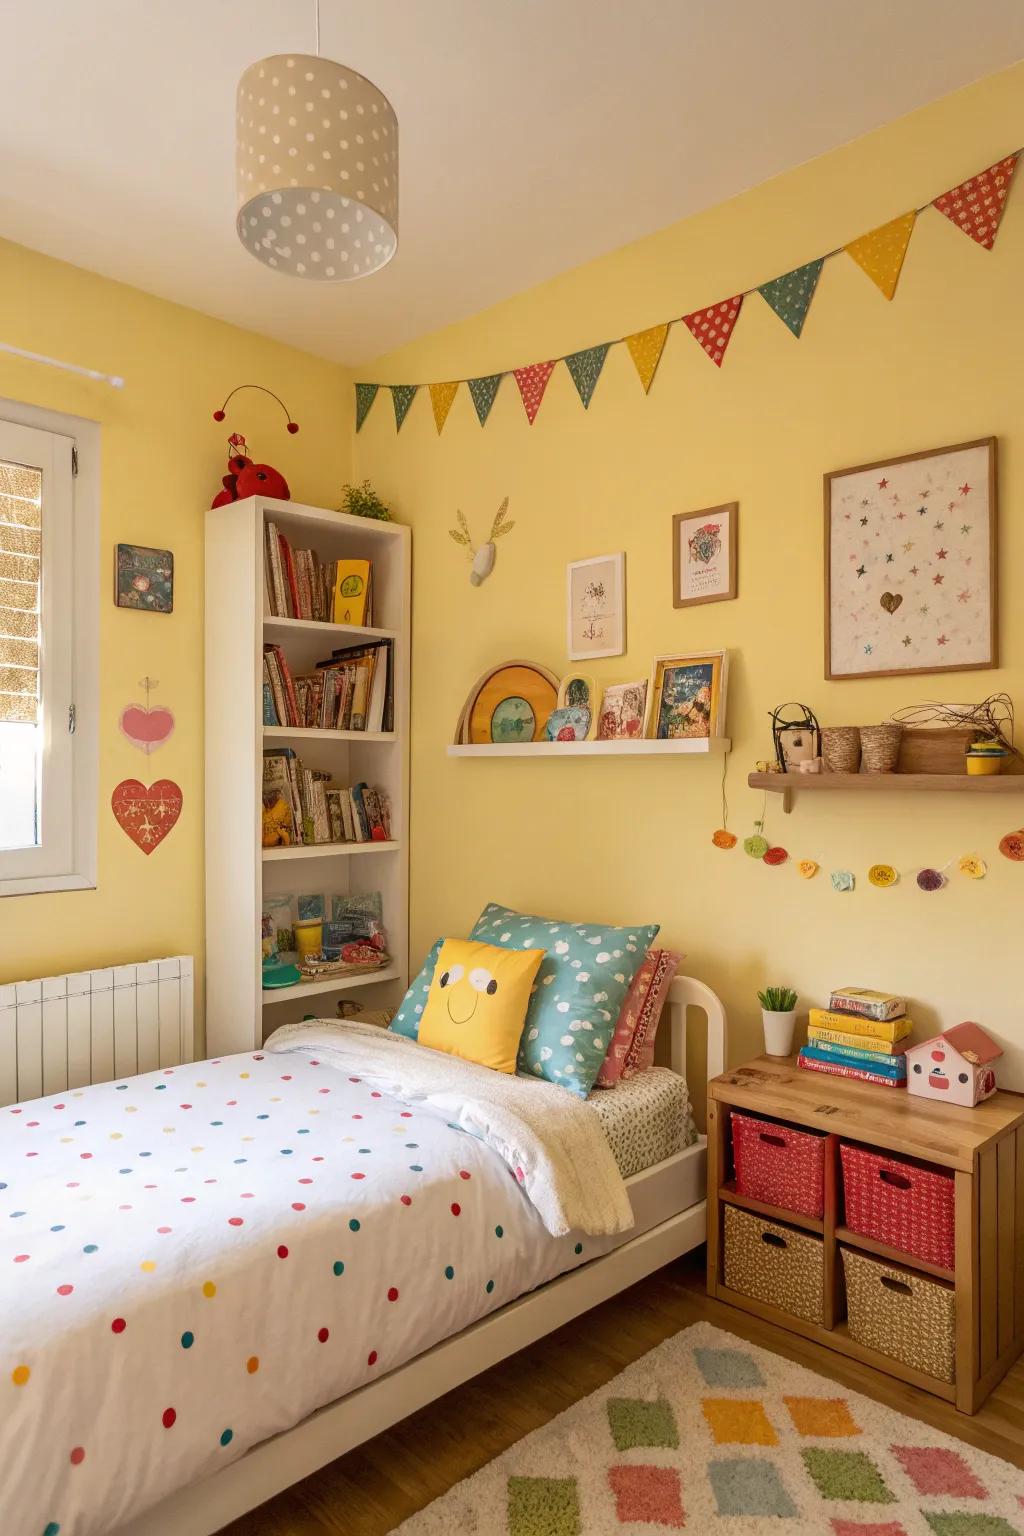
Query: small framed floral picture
(704, 546)
(596, 606)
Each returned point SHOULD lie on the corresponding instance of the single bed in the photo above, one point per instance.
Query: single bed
(183, 1254)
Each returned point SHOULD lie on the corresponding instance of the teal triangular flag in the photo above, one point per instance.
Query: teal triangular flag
(366, 394)
(402, 396)
(790, 295)
(585, 368)
(482, 392)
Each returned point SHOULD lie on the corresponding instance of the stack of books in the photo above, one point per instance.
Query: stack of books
(299, 585)
(309, 808)
(860, 1034)
(353, 690)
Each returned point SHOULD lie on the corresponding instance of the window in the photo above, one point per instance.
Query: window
(48, 655)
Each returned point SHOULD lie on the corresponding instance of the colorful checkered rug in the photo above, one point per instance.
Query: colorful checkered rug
(710, 1434)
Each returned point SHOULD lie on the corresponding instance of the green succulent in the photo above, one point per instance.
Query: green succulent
(777, 999)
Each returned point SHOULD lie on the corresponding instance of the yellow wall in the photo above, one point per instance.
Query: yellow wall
(630, 840)
(162, 457)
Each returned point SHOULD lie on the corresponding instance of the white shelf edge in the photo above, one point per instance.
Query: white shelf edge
(332, 984)
(315, 733)
(297, 511)
(712, 746)
(327, 627)
(325, 850)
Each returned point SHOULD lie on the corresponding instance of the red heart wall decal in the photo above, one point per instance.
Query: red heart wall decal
(147, 815)
(146, 728)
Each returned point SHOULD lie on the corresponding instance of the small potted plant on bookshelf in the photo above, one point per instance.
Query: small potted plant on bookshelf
(778, 1013)
(363, 501)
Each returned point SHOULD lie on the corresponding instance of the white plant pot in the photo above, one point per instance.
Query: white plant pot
(778, 1032)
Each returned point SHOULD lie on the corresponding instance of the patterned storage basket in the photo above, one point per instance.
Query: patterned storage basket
(906, 1316)
(899, 1203)
(775, 1264)
(779, 1165)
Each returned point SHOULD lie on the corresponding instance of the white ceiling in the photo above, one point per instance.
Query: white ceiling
(535, 133)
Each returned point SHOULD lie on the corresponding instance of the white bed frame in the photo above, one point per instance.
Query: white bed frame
(668, 1202)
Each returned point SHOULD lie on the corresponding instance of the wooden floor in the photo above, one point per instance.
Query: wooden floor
(372, 1489)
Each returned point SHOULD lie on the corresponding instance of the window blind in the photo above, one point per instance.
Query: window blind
(21, 495)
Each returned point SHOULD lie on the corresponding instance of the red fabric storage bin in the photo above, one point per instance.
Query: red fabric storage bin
(778, 1164)
(899, 1203)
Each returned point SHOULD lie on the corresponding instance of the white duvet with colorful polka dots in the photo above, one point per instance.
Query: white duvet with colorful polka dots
(195, 1259)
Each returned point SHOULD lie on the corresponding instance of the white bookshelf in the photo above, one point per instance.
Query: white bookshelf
(239, 871)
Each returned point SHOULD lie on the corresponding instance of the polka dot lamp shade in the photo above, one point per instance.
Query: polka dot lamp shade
(316, 169)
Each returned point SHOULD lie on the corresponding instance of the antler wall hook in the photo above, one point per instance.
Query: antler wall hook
(482, 558)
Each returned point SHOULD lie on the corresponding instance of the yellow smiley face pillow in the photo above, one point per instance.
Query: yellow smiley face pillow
(477, 1003)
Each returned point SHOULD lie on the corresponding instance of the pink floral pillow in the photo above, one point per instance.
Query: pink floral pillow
(632, 1044)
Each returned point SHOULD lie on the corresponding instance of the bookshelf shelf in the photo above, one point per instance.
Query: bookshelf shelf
(242, 878)
(304, 989)
(713, 747)
(326, 851)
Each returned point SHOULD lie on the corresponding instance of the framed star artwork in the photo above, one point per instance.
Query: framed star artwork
(910, 564)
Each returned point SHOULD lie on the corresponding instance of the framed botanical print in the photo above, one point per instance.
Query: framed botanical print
(910, 564)
(687, 696)
(704, 546)
(596, 603)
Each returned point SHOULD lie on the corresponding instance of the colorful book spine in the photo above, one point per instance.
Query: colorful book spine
(836, 1069)
(868, 1004)
(856, 1042)
(885, 1066)
(879, 1029)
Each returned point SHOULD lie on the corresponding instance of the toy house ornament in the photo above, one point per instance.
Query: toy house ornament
(955, 1067)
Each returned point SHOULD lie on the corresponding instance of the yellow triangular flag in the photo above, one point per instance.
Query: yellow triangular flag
(881, 252)
(645, 349)
(441, 397)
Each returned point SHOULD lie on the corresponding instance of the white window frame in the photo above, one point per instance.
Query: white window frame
(66, 858)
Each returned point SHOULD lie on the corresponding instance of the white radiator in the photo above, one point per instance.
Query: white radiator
(88, 1027)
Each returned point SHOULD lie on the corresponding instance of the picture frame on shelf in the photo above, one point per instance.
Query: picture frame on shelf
(579, 692)
(596, 607)
(705, 548)
(623, 713)
(687, 696)
(911, 575)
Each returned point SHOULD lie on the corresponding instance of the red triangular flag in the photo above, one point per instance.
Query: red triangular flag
(533, 381)
(976, 205)
(713, 327)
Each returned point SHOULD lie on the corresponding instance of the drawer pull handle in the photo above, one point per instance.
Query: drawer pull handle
(892, 1284)
(773, 1141)
(774, 1239)
(897, 1180)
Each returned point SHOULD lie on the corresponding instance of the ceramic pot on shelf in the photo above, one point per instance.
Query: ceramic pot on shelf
(779, 1029)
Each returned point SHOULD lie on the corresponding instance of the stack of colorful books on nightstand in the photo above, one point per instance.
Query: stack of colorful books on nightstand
(860, 1034)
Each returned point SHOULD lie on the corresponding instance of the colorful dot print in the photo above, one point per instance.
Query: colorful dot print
(168, 1291)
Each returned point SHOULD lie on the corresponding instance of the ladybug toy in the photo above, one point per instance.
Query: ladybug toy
(245, 478)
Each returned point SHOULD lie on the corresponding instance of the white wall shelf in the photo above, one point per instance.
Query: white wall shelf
(712, 746)
(241, 875)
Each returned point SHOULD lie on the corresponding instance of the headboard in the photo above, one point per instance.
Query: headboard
(686, 993)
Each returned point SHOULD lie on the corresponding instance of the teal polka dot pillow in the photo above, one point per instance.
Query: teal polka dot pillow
(579, 991)
(407, 1020)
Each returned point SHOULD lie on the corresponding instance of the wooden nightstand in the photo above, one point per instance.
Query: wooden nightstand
(984, 1147)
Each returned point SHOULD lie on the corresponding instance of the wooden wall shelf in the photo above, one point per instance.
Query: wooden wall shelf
(785, 784)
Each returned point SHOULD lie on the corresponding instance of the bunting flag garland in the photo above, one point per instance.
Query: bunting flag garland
(645, 348)
(441, 397)
(713, 327)
(790, 296)
(976, 205)
(533, 381)
(366, 394)
(585, 369)
(880, 252)
(402, 396)
(482, 392)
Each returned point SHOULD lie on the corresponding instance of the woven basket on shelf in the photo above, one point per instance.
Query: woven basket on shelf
(935, 749)
(840, 748)
(880, 747)
(903, 1204)
(775, 1264)
(901, 1314)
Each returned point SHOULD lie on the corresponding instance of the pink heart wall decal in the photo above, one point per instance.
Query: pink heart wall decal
(146, 728)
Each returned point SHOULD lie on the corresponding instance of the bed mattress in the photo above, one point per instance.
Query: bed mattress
(646, 1119)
